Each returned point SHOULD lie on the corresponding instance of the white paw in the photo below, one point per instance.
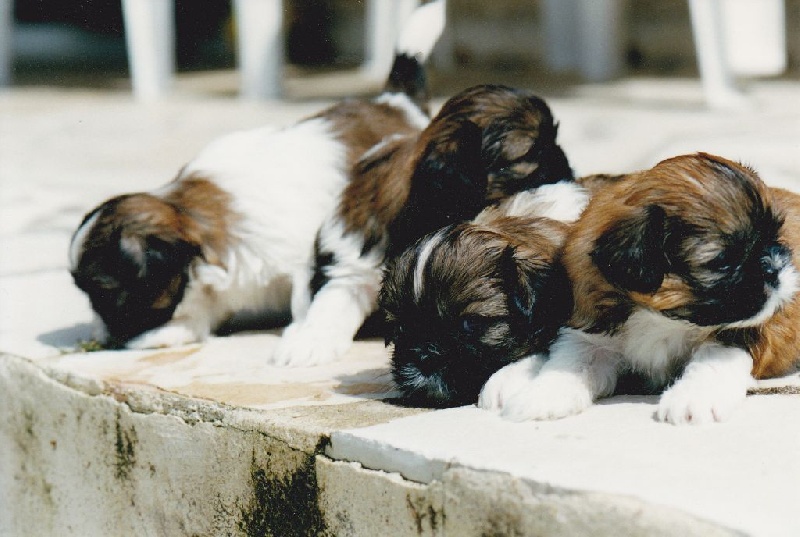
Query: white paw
(99, 331)
(698, 403)
(507, 382)
(302, 346)
(550, 396)
(169, 335)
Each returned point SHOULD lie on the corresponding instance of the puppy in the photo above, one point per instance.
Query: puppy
(484, 145)
(685, 273)
(229, 233)
(473, 297)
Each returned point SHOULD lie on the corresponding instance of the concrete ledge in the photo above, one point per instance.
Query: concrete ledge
(92, 458)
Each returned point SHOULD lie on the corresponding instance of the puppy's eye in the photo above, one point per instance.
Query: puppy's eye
(474, 324)
(394, 331)
(106, 283)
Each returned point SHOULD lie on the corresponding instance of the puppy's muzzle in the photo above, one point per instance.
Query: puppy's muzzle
(426, 357)
(776, 258)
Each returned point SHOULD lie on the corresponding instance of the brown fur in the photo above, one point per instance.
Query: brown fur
(195, 211)
(379, 187)
(362, 124)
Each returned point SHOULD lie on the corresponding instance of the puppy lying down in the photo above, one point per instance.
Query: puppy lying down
(473, 297)
(686, 273)
(227, 236)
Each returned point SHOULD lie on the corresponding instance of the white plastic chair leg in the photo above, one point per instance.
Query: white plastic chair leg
(755, 36)
(560, 34)
(719, 84)
(6, 30)
(260, 41)
(601, 38)
(150, 39)
(384, 19)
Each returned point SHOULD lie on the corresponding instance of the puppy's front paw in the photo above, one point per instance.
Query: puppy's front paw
(169, 335)
(301, 346)
(549, 396)
(507, 382)
(698, 403)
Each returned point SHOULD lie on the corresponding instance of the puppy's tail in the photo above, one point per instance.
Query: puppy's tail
(417, 39)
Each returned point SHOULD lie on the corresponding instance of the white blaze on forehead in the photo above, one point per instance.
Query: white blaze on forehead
(79, 238)
(422, 260)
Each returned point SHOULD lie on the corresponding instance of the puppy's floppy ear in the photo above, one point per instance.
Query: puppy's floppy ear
(155, 257)
(519, 286)
(454, 161)
(448, 186)
(630, 254)
(539, 296)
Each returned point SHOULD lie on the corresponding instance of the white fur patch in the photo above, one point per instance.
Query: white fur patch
(369, 153)
(713, 384)
(323, 328)
(429, 245)
(563, 201)
(78, 240)
(577, 373)
(422, 30)
(656, 345)
(402, 102)
(169, 335)
(508, 382)
(788, 284)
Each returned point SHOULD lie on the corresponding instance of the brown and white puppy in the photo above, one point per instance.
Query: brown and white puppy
(485, 144)
(686, 273)
(230, 233)
(471, 298)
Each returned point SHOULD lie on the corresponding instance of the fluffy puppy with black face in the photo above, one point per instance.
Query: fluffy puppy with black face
(687, 274)
(485, 144)
(471, 298)
(230, 233)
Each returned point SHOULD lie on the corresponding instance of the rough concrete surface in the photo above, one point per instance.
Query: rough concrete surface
(209, 440)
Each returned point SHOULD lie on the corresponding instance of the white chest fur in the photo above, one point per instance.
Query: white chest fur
(653, 344)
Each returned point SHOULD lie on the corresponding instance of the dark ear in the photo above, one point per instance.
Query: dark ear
(539, 297)
(452, 163)
(154, 258)
(631, 255)
(448, 186)
(519, 286)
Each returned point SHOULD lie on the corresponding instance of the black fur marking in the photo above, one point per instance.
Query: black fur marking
(322, 260)
(448, 186)
(539, 299)
(630, 255)
(408, 76)
(123, 286)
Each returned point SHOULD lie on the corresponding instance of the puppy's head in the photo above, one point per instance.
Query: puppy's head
(485, 144)
(697, 238)
(469, 299)
(131, 257)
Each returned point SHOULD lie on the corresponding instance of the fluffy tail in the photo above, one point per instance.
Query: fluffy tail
(417, 39)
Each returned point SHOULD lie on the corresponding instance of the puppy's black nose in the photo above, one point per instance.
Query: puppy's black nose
(775, 258)
(427, 358)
